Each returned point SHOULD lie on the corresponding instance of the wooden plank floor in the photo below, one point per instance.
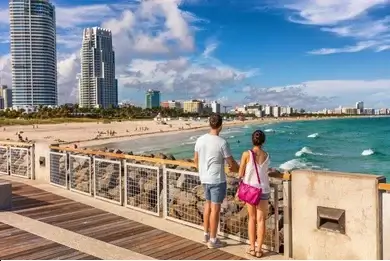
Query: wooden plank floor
(110, 228)
(18, 244)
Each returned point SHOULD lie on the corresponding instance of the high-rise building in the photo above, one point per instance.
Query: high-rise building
(33, 53)
(98, 87)
(360, 107)
(215, 107)
(152, 99)
(6, 96)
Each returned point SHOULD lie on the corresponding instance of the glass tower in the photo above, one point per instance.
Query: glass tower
(33, 53)
(152, 99)
(97, 84)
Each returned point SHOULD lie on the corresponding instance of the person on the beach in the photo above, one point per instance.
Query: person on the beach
(211, 152)
(250, 160)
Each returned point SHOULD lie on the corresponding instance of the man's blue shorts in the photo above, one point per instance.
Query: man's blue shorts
(215, 193)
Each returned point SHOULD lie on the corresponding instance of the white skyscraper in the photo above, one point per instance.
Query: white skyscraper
(97, 84)
(33, 53)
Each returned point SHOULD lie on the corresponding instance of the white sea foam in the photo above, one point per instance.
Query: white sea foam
(314, 135)
(232, 137)
(304, 150)
(368, 152)
(293, 164)
(269, 130)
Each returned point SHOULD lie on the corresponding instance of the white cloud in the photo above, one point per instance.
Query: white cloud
(344, 18)
(154, 42)
(324, 94)
(360, 46)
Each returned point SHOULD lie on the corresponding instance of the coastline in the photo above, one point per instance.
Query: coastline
(85, 134)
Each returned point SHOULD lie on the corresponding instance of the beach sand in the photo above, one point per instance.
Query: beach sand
(87, 134)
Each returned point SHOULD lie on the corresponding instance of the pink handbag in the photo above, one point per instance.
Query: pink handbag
(248, 193)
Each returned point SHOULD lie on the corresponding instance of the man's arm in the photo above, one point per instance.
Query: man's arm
(196, 160)
(196, 155)
(233, 166)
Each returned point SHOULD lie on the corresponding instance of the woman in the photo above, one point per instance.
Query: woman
(257, 158)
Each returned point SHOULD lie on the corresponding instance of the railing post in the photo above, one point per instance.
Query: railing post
(32, 148)
(165, 192)
(287, 226)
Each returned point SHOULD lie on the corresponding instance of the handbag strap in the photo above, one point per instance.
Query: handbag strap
(255, 165)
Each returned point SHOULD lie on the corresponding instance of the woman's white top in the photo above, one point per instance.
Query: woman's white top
(250, 177)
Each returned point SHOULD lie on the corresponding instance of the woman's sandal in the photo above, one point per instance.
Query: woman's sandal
(251, 252)
(259, 253)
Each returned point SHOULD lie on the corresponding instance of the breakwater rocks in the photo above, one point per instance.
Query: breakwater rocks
(144, 189)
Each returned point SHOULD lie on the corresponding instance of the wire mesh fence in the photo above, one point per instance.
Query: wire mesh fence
(80, 174)
(108, 180)
(143, 187)
(4, 160)
(234, 217)
(20, 162)
(184, 197)
(58, 169)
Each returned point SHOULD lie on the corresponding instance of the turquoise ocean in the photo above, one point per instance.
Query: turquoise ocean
(359, 145)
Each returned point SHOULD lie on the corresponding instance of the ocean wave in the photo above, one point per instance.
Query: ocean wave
(298, 164)
(293, 164)
(269, 130)
(193, 137)
(304, 150)
(368, 152)
(188, 143)
(314, 135)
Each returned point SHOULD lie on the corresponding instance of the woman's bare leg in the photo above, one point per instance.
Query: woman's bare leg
(251, 225)
(261, 216)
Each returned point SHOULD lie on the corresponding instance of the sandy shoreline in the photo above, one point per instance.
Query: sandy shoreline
(87, 134)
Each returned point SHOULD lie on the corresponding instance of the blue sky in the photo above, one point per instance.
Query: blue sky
(302, 53)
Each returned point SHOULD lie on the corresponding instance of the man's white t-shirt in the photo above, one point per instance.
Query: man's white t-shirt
(212, 151)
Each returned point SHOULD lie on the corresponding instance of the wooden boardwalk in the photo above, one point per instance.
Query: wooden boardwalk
(61, 212)
(20, 245)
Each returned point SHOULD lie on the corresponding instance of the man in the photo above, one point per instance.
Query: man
(211, 152)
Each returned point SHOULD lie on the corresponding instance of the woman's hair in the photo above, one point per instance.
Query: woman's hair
(258, 138)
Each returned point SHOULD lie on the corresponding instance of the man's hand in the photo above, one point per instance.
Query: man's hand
(233, 166)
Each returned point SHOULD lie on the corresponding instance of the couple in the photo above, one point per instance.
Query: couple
(211, 152)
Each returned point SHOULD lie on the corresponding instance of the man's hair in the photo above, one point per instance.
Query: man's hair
(215, 121)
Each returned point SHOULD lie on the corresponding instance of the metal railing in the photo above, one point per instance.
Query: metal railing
(59, 169)
(143, 188)
(17, 159)
(80, 174)
(173, 191)
(108, 180)
(183, 197)
(4, 160)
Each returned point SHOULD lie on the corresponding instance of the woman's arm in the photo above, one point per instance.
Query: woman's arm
(244, 160)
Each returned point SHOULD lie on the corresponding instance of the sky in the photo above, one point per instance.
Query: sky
(308, 54)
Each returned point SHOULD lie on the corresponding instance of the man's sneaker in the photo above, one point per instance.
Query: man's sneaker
(217, 244)
(206, 238)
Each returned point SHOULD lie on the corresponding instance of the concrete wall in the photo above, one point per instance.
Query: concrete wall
(386, 225)
(42, 173)
(357, 194)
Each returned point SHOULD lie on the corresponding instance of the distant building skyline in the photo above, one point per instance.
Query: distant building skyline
(33, 53)
(98, 86)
